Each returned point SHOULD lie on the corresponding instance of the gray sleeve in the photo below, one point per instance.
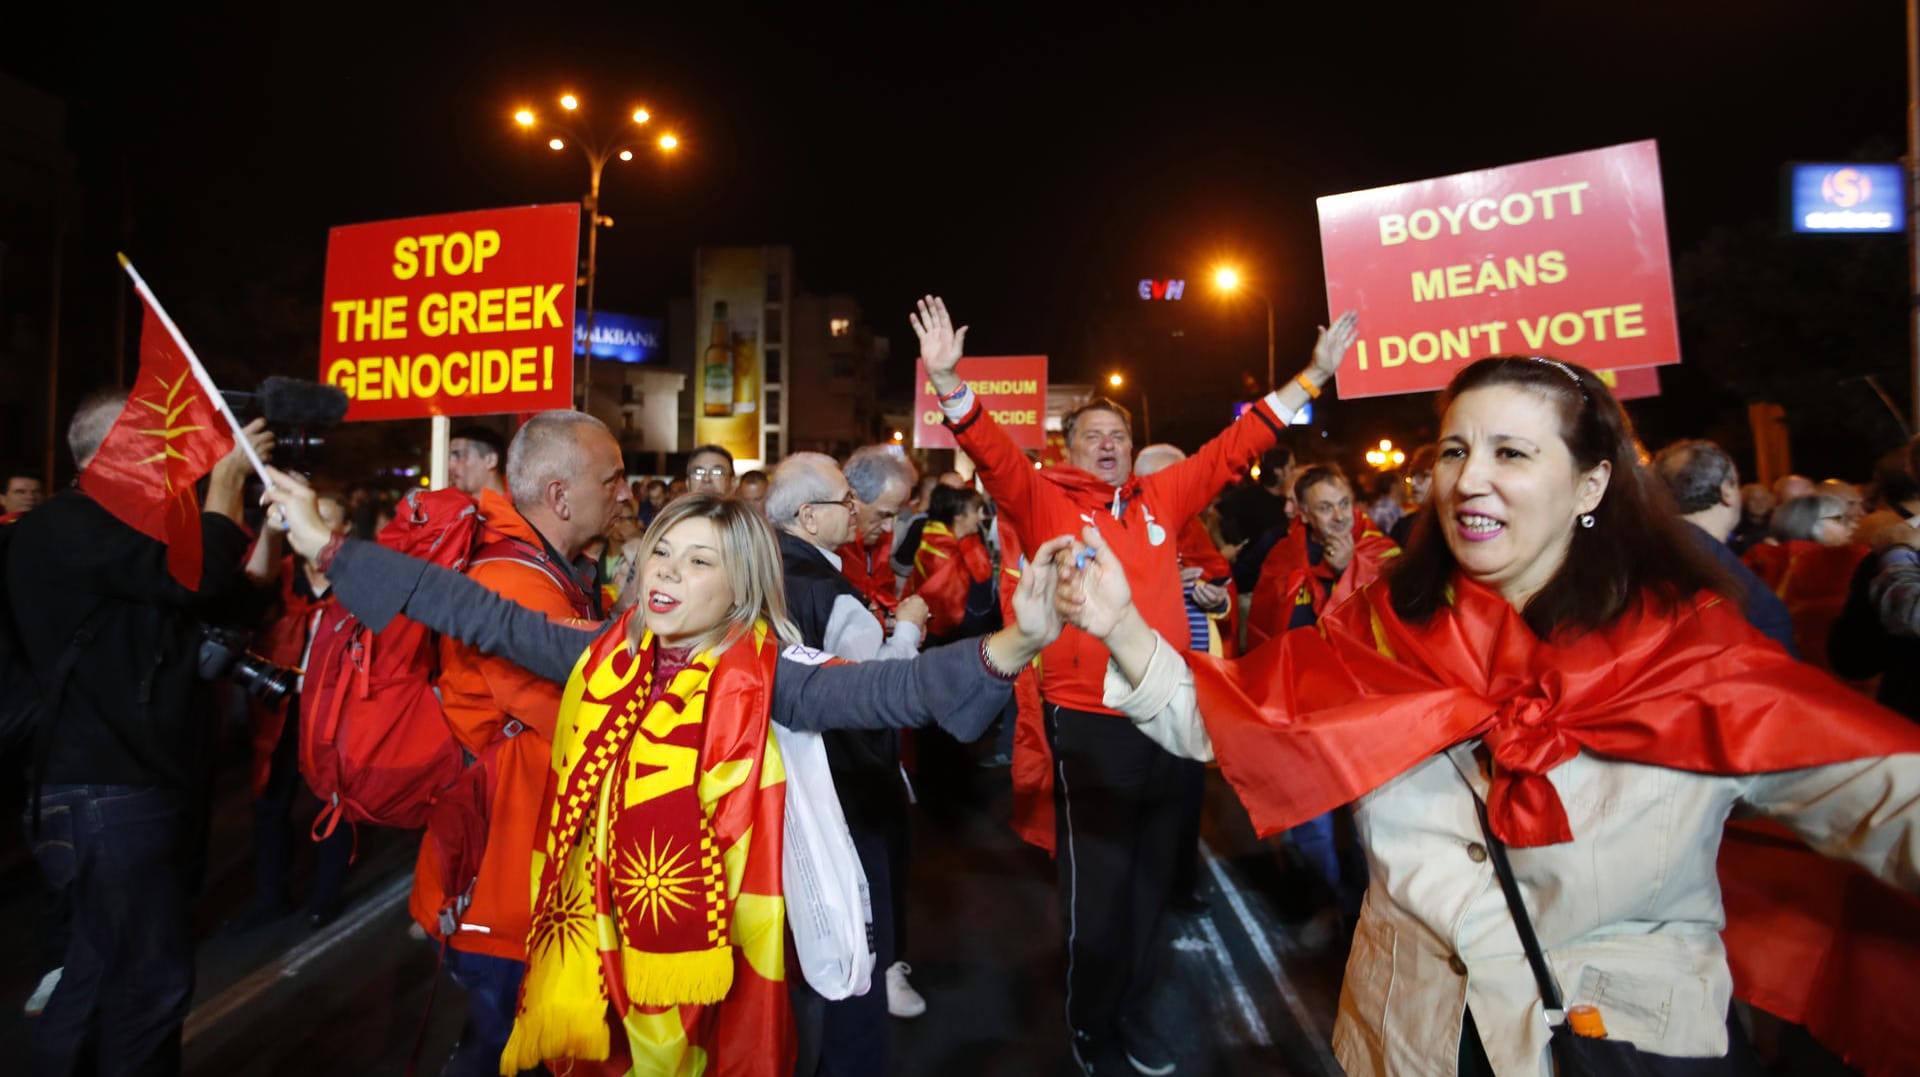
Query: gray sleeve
(948, 686)
(377, 584)
(1895, 592)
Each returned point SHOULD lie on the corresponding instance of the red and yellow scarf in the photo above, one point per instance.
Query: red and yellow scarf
(659, 904)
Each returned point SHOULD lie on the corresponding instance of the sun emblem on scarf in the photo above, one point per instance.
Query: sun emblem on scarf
(567, 924)
(655, 880)
(168, 405)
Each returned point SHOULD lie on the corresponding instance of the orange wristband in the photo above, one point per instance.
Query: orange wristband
(1304, 382)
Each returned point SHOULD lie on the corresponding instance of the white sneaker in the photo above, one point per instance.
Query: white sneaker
(902, 999)
(37, 1002)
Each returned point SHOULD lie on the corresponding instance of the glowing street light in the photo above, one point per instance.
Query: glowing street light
(571, 126)
(1386, 456)
(1116, 380)
(1228, 280)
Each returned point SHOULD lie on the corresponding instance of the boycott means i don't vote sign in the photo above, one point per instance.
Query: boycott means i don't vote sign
(457, 314)
(1564, 257)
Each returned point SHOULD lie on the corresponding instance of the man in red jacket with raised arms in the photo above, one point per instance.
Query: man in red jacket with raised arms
(1117, 826)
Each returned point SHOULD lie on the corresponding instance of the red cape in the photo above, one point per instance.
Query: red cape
(1323, 715)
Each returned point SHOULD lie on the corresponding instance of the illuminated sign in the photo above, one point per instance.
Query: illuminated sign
(1305, 418)
(623, 338)
(1151, 289)
(1847, 198)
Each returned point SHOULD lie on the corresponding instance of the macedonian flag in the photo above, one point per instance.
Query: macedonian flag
(167, 437)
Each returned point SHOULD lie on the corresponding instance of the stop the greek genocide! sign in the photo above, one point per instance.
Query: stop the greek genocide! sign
(1563, 257)
(459, 314)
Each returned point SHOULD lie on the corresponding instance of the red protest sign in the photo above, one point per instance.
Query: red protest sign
(1636, 384)
(1013, 389)
(457, 314)
(1565, 257)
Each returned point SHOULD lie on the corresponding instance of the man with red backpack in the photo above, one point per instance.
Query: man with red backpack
(566, 477)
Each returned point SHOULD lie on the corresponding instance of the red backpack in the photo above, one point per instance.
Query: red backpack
(374, 744)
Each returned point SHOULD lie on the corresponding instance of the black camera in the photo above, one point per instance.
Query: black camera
(298, 411)
(224, 654)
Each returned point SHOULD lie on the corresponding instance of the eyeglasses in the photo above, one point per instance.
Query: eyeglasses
(848, 502)
(706, 472)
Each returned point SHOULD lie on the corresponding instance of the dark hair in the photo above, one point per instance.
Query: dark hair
(1098, 403)
(715, 449)
(487, 436)
(948, 502)
(1274, 464)
(1314, 476)
(1695, 471)
(756, 475)
(1638, 546)
(1893, 481)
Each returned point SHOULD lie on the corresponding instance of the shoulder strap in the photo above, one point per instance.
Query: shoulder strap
(1497, 849)
(56, 691)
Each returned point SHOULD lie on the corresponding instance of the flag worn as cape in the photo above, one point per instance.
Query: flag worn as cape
(167, 437)
(1320, 716)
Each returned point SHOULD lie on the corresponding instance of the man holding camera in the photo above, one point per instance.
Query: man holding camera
(122, 804)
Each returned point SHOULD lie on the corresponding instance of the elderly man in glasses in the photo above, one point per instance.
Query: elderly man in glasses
(813, 507)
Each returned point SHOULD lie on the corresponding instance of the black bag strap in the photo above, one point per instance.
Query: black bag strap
(1497, 849)
(56, 692)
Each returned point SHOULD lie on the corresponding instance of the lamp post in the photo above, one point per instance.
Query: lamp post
(571, 126)
(1227, 279)
(1116, 380)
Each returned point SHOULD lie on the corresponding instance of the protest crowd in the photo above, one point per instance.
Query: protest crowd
(1539, 723)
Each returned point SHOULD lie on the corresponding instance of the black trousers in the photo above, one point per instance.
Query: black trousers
(1118, 819)
(848, 1037)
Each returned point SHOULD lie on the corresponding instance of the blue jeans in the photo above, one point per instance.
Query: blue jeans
(1318, 846)
(492, 985)
(123, 853)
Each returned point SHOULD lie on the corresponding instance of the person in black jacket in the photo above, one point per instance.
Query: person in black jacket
(129, 754)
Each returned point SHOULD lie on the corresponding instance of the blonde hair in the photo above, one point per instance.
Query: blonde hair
(750, 553)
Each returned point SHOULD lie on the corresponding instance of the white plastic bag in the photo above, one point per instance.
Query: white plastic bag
(829, 910)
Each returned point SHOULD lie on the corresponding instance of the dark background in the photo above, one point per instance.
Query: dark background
(1029, 165)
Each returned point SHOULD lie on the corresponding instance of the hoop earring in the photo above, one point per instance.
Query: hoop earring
(1586, 519)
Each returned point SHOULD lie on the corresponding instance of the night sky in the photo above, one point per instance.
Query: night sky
(1027, 166)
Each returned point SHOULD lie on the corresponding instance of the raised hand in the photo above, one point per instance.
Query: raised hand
(941, 345)
(295, 509)
(1333, 345)
(1339, 550)
(1035, 601)
(1094, 594)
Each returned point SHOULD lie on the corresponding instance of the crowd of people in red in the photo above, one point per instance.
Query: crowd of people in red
(1498, 708)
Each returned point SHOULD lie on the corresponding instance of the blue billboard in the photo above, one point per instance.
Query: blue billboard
(624, 338)
(1847, 198)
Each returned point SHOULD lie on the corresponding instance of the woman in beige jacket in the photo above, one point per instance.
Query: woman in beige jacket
(1552, 647)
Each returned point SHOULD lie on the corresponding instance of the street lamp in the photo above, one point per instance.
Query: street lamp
(1116, 380)
(1386, 456)
(1228, 280)
(570, 126)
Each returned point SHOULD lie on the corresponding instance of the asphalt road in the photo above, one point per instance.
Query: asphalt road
(1242, 992)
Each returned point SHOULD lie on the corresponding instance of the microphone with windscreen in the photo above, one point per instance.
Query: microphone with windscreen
(295, 409)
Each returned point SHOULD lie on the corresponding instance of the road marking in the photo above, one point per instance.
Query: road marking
(1263, 948)
(210, 1013)
(1242, 998)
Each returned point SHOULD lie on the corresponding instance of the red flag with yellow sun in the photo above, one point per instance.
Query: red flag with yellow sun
(169, 435)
